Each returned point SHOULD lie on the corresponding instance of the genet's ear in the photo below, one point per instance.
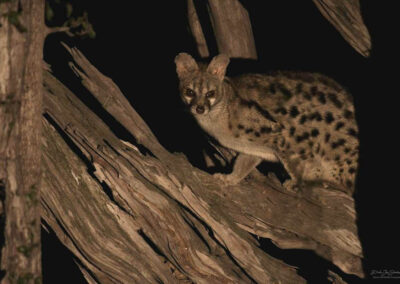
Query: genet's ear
(218, 66)
(185, 64)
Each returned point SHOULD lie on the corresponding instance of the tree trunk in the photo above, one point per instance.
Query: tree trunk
(132, 212)
(21, 48)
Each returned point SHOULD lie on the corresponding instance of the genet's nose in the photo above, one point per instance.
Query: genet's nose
(200, 109)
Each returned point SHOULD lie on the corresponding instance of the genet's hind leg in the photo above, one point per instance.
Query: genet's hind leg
(292, 168)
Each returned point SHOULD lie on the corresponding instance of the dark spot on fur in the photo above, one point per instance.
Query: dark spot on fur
(348, 162)
(338, 143)
(236, 135)
(282, 142)
(314, 132)
(349, 183)
(341, 170)
(294, 111)
(333, 98)
(250, 139)
(307, 96)
(292, 130)
(286, 93)
(352, 132)
(302, 137)
(321, 98)
(281, 110)
(257, 134)
(339, 125)
(337, 158)
(327, 137)
(316, 115)
(352, 170)
(329, 117)
(303, 119)
(262, 111)
(299, 87)
(310, 143)
(240, 126)
(248, 130)
(302, 151)
(265, 129)
(314, 90)
(348, 114)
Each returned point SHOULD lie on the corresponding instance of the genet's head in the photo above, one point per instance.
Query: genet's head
(201, 87)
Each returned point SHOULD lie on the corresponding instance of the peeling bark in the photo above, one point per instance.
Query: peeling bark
(163, 218)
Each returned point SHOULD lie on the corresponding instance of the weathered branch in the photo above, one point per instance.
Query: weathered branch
(232, 29)
(148, 189)
(196, 29)
(163, 209)
(345, 16)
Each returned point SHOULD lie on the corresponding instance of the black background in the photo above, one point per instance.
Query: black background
(136, 44)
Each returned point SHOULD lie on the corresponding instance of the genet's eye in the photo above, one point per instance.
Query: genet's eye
(210, 94)
(190, 93)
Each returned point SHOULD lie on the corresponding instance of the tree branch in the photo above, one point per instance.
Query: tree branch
(52, 30)
(187, 218)
(345, 16)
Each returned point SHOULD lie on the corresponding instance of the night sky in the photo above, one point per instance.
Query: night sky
(136, 45)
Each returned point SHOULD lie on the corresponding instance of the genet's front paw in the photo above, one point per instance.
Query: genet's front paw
(226, 179)
(291, 185)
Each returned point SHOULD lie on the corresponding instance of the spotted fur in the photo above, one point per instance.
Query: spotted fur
(303, 120)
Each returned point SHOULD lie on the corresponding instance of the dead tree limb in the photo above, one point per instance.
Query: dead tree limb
(232, 29)
(164, 214)
(345, 16)
(197, 30)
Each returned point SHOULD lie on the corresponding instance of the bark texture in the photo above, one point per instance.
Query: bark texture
(21, 49)
(232, 28)
(231, 25)
(132, 212)
(345, 16)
